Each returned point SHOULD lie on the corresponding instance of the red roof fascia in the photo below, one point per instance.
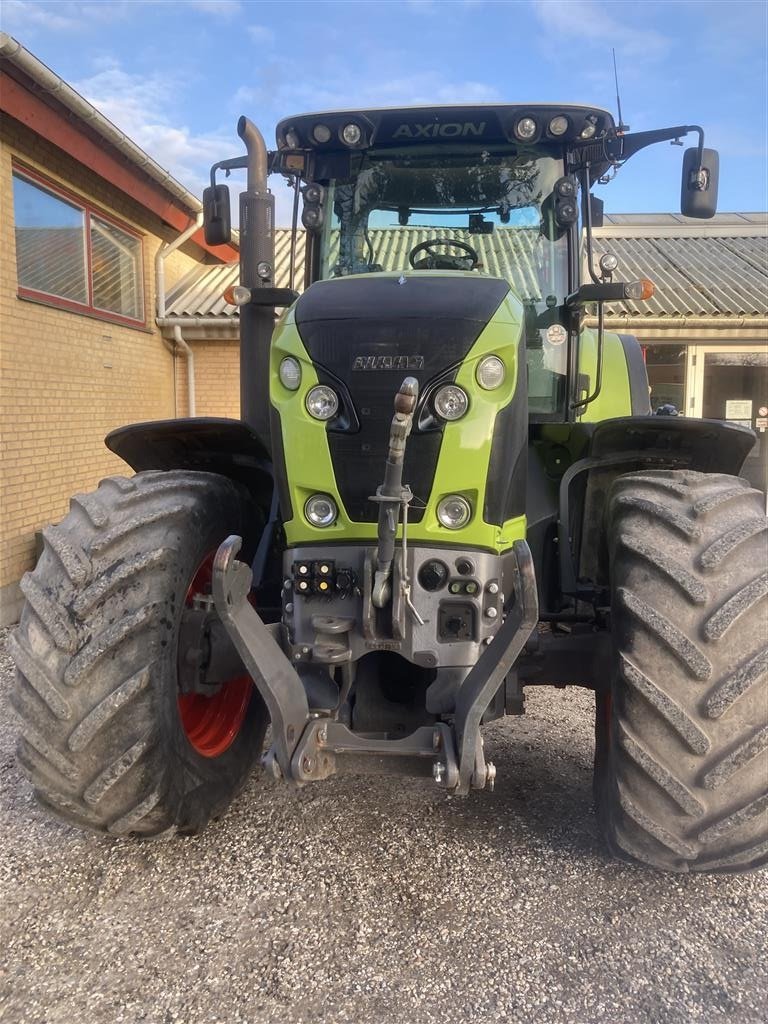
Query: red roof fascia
(31, 111)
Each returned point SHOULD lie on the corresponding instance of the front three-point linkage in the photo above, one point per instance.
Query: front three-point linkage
(391, 496)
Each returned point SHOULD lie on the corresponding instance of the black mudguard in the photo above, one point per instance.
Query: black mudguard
(709, 446)
(206, 444)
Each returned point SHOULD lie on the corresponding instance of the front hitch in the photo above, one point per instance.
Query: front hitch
(389, 495)
(306, 748)
(274, 676)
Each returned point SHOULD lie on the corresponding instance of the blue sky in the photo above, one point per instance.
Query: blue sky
(176, 75)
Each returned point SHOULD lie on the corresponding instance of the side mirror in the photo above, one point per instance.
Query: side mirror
(698, 193)
(216, 215)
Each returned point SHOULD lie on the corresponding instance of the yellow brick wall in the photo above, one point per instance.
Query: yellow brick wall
(217, 379)
(67, 379)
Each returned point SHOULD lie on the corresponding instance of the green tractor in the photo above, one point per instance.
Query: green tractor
(443, 489)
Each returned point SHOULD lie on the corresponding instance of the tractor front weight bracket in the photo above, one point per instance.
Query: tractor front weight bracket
(275, 678)
(307, 748)
(490, 671)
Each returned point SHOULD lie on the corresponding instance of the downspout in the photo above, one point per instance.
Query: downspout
(190, 357)
(160, 257)
(163, 253)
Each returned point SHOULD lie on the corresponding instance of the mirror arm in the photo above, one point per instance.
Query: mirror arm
(235, 163)
(633, 143)
(618, 148)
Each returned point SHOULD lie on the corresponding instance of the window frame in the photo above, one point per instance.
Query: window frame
(89, 210)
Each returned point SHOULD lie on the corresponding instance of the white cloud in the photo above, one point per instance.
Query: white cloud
(139, 106)
(594, 23)
(261, 34)
(19, 14)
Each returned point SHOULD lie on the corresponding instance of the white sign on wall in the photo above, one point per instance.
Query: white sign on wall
(738, 410)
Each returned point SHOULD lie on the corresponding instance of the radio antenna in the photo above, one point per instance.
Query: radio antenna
(621, 128)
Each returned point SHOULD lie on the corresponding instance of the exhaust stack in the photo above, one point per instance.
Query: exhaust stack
(257, 262)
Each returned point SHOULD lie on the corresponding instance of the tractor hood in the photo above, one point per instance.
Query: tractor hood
(414, 295)
(364, 334)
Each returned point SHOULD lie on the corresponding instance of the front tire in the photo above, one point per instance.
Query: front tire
(682, 740)
(103, 737)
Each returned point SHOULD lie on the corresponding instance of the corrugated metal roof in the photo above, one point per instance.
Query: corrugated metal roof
(695, 275)
(660, 220)
(701, 276)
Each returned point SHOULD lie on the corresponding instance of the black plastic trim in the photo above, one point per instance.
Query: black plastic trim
(281, 469)
(505, 490)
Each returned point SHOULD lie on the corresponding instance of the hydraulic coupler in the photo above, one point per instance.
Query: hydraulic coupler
(389, 495)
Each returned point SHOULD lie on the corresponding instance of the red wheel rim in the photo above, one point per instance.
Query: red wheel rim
(212, 724)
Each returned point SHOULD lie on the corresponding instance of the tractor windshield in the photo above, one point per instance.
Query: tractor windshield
(491, 201)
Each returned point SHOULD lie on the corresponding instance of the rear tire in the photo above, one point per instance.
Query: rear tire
(102, 739)
(681, 767)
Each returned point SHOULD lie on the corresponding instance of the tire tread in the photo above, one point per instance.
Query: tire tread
(682, 779)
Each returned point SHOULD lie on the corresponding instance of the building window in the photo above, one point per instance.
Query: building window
(73, 256)
(666, 375)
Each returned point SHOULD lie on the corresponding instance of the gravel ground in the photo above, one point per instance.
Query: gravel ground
(370, 902)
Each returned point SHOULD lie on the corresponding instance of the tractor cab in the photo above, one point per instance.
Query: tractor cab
(500, 191)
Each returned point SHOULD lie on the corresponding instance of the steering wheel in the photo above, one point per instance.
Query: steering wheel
(441, 261)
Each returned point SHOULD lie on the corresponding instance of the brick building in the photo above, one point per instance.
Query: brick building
(84, 215)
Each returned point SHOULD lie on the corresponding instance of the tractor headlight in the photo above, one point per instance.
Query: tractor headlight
(289, 373)
(322, 402)
(590, 127)
(321, 510)
(526, 128)
(351, 134)
(313, 193)
(312, 217)
(558, 125)
(490, 373)
(451, 402)
(454, 512)
(321, 133)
